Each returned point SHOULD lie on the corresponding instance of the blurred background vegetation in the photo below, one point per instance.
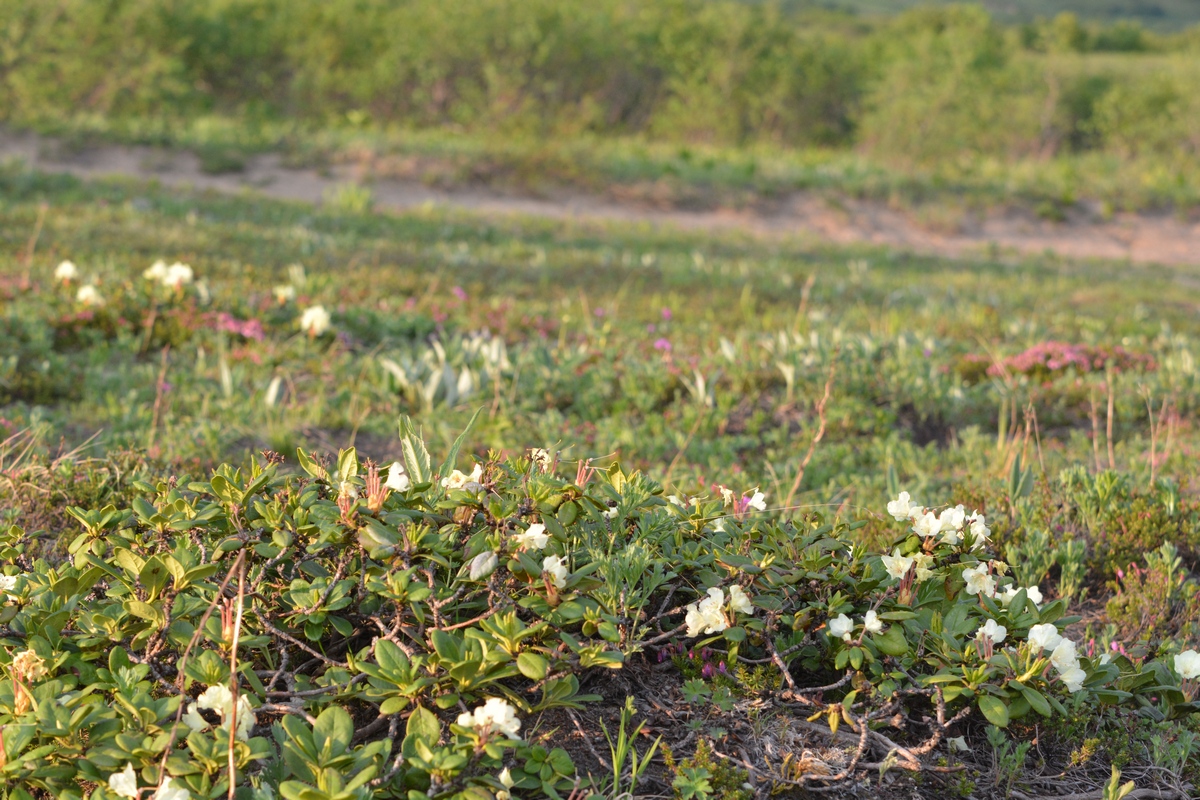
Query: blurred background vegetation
(1103, 106)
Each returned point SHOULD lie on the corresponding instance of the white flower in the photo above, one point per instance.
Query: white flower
(66, 272)
(719, 525)
(177, 275)
(1034, 594)
(494, 716)
(506, 778)
(541, 457)
(1187, 664)
(758, 502)
(957, 744)
(675, 501)
(979, 581)
(124, 783)
(1073, 677)
(707, 615)
(727, 496)
(872, 623)
(156, 272)
(927, 525)
(534, 537)
(218, 698)
(1044, 637)
(193, 719)
(993, 631)
(952, 519)
(897, 566)
(459, 480)
(840, 627)
(1063, 656)
(397, 479)
(171, 791)
(979, 530)
(8, 583)
(314, 321)
(924, 566)
(610, 513)
(556, 568)
(739, 601)
(284, 294)
(1104, 659)
(89, 295)
(483, 565)
(901, 507)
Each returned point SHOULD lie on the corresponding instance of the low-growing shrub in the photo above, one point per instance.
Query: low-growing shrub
(415, 631)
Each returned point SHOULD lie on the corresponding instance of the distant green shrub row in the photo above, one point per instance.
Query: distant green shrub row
(923, 86)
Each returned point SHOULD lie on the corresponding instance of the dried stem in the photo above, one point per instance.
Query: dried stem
(820, 434)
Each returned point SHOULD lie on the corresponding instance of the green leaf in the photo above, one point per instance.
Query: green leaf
(311, 466)
(334, 729)
(533, 666)
(423, 727)
(452, 455)
(891, 642)
(416, 457)
(994, 709)
(1036, 699)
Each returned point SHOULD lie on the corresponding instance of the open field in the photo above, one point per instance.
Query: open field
(1057, 397)
(596, 399)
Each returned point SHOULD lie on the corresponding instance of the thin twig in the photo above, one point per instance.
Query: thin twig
(233, 675)
(820, 434)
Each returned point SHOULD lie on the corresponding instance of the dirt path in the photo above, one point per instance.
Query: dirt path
(1142, 238)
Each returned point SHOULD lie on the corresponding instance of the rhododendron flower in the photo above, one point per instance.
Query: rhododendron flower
(124, 783)
(708, 615)
(951, 521)
(902, 507)
(924, 566)
(542, 458)
(927, 525)
(284, 294)
(556, 568)
(979, 581)
(979, 530)
(897, 566)
(726, 495)
(171, 791)
(459, 480)
(66, 272)
(156, 272)
(89, 295)
(758, 502)
(1073, 677)
(7, 584)
(177, 275)
(482, 565)
(1187, 664)
(992, 630)
(494, 716)
(315, 321)
(610, 513)
(397, 479)
(840, 627)
(30, 665)
(872, 623)
(533, 537)
(218, 698)
(1063, 656)
(739, 601)
(1044, 637)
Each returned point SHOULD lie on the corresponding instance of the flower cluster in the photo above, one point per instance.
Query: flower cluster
(175, 276)
(841, 626)
(315, 321)
(1062, 655)
(125, 784)
(708, 615)
(494, 716)
(1053, 356)
(218, 698)
(952, 524)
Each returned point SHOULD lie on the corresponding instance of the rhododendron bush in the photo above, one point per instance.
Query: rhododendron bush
(420, 631)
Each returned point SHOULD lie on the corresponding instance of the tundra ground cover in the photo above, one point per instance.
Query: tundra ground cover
(674, 536)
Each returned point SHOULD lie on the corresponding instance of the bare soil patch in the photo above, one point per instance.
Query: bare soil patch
(1083, 233)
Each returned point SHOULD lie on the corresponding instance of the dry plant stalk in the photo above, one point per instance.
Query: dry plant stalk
(820, 434)
(1108, 432)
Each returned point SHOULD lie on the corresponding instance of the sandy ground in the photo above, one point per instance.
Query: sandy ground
(1142, 238)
